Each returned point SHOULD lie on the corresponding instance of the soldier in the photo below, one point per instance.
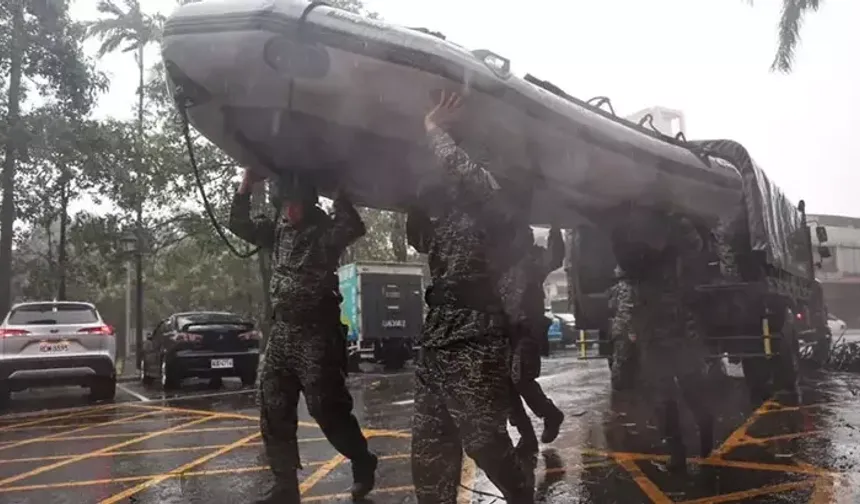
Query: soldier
(522, 293)
(462, 380)
(660, 253)
(305, 349)
(624, 351)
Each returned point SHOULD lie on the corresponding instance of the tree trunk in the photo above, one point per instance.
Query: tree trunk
(138, 330)
(13, 147)
(398, 237)
(61, 251)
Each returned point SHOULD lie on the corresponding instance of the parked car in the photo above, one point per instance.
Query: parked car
(203, 345)
(57, 343)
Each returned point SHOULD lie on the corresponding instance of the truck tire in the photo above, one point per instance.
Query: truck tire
(786, 364)
(394, 355)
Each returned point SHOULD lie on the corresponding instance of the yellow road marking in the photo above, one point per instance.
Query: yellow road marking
(62, 463)
(83, 410)
(736, 437)
(330, 497)
(645, 484)
(746, 494)
(105, 417)
(320, 473)
(52, 418)
(59, 435)
(135, 479)
(113, 435)
(467, 481)
(178, 471)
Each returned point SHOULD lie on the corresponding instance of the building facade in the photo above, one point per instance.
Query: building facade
(840, 274)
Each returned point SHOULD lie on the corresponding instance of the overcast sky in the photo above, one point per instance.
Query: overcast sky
(708, 58)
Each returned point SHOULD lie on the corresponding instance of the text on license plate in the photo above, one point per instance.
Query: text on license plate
(53, 347)
(222, 363)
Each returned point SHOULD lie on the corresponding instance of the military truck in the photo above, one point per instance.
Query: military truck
(383, 308)
(757, 298)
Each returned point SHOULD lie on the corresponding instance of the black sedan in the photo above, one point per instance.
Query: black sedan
(203, 345)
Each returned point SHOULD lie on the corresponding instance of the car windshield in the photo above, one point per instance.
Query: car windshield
(52, 314)
(209, 318)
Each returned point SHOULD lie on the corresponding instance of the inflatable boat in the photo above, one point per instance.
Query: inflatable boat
(287, 85)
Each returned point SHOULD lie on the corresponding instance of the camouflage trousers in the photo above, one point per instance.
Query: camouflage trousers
(525, 369)
(674, 370)
(625, 362)
(306, 359)
(462, 403)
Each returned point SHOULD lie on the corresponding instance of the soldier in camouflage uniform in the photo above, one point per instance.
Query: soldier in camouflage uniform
(660, 253)
(624, 350)
(521, 288)
(305, 349)
(462, 398)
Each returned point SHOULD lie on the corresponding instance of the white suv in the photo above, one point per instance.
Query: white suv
(57, 343)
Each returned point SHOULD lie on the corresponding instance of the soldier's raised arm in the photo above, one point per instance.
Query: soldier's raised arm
(457, 164)
(552, 256)
(346, 224)
(260, 230)
(419, 230)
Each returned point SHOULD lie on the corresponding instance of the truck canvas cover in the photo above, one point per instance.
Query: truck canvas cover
(770, 223)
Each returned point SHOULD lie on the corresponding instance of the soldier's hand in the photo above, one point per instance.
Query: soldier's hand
(444, 112)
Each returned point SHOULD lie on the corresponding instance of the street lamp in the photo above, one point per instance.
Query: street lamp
(129, 248)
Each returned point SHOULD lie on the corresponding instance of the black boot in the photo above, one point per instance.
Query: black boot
(677, 456)
(551, 424)
(281, 493)
(363, 476)
(706, 438)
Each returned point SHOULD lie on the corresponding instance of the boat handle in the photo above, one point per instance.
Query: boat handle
(499, 65)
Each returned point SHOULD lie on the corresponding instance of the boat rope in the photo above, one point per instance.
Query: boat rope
(182, 104)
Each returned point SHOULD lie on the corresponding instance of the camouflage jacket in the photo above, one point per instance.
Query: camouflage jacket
(304, 258)
(457, 243)
(521, 283)
(621, 302)
(662, 298)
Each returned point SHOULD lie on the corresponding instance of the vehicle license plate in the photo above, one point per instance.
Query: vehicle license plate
(222, 363)
(53, 346)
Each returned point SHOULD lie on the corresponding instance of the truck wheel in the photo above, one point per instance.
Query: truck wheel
(757, 377)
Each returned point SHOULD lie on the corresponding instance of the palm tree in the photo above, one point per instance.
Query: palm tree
(793, 12)
(130, 27)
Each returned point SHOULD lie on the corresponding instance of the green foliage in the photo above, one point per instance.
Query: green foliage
(791, 19)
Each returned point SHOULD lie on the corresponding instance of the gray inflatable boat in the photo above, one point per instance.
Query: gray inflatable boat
(286, 85)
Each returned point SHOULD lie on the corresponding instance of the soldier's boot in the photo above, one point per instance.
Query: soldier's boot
(677, 456)
(282, 493)
(551, 424)
(706, 436)
(363, 476)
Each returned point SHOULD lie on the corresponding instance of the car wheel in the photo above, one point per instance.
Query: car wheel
(104, 389)
(141, 373)
(168, 379)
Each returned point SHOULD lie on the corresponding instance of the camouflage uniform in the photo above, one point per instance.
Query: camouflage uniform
(624, 349)
(462, 385)
(673, 357)
(521, 288)
(305, 349)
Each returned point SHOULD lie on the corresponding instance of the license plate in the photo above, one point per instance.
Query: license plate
(222, 363)
(54, 347)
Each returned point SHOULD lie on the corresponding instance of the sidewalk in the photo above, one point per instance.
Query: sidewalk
(126, 370)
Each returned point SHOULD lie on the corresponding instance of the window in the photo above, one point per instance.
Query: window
(208, 318)
(52, 314)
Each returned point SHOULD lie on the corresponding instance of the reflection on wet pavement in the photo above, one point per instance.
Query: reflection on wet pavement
(200, 445)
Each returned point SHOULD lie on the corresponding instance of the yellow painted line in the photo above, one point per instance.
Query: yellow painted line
(114, 435)
(468, 473)
(320, 473)
(105, 417)
(52, 418)
(57, 412)
(645, 484)
(736, 437)
(178, 471)
(747, 494)
(60, 435)
(113, 447)
(135, 479)
(763, 440)
(341, 496)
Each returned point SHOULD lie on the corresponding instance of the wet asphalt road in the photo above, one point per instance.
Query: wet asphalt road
(202, 445)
